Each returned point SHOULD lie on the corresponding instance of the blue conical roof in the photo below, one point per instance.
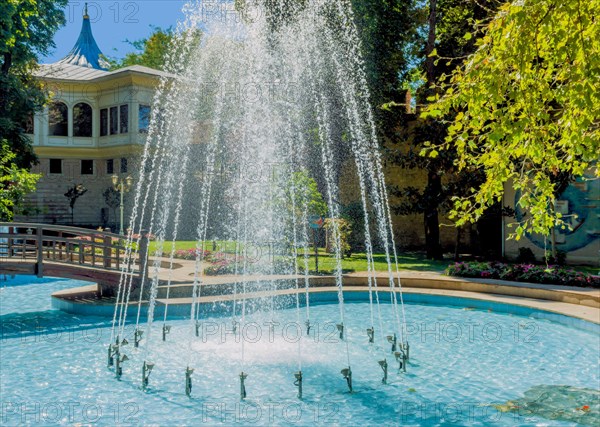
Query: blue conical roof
(86, 52)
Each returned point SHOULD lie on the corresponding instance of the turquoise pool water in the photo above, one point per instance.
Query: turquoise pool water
(469, 366)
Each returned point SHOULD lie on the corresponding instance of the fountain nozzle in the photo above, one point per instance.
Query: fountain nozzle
(137, 337)
(165, 331)
(298, 383)
(401, 359)
(406, 349)
(118, 367)
(393, 341)
(146, 369)
(371, 334)
(340, 328)
(384, 365)
(347, 374)
(243, 377)
(188, 381)
(111, 358)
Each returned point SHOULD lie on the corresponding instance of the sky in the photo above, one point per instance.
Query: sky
(113, 22)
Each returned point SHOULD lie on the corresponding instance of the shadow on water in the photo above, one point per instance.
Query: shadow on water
(45, 323)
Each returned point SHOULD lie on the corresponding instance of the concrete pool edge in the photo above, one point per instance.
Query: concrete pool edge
(578, 303)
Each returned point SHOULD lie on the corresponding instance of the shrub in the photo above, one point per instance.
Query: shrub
(223, 266)
(560, 259)
(554, 274)
(526, 256)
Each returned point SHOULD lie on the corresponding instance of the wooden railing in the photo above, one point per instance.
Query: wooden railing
(73, 246)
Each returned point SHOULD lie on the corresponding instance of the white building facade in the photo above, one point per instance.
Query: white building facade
(94, 127)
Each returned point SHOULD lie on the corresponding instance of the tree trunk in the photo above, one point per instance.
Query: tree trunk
(434, 181)
(432, 223)
(429, 61)
(457, 243)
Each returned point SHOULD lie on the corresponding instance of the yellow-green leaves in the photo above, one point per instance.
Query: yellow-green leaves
(527, 106)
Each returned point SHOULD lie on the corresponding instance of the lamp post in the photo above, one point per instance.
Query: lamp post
(122, 186)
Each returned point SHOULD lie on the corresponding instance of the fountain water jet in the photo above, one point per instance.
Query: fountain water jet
(247, 107)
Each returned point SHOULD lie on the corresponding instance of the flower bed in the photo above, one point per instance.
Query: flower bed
(190, 254)
(553, 274)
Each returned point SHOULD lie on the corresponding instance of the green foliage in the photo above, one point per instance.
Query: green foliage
(354, 214)
(26, 30)
(442, 28)
(302, 191)
(344, 229)
(526, 107)
(15, 183)
(387, 30)
(151, 51)
(559, 259)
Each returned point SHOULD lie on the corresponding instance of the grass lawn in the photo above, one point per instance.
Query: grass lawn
(356, 262)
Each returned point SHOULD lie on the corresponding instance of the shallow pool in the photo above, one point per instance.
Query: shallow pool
(467, 367)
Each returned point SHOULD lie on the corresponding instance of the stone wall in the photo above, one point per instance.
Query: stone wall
(409, 230)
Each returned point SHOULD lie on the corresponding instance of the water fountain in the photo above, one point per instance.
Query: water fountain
(277, 89)
(262, 348)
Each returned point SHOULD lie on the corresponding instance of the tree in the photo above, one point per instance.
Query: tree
(73, 194)
(536, 124)
(112, 198)
(15, 183)
(27, 29)
(388, 33)
(344, 230)
(301, 191)
(151, 51)
(445, 46)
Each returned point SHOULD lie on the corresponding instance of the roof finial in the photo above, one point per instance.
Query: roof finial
(85, 12)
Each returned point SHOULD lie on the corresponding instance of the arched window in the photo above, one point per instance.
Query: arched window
(82, 120)
(58, 119)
